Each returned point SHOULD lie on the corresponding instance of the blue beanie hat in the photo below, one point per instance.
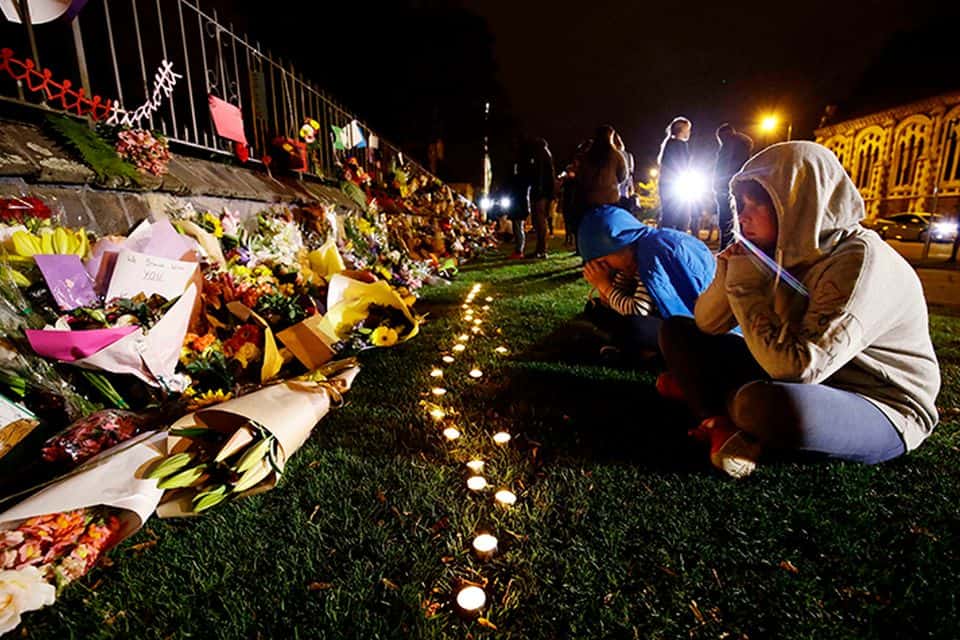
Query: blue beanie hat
(606, 230)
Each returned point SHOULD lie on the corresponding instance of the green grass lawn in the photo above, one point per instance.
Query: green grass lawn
(620, 530)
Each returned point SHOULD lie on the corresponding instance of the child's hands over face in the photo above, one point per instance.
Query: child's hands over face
(597, 274)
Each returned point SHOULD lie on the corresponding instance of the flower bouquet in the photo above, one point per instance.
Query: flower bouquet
(94, 434)
(59, 533)
(149, 354)
(144, 150)
(27, 211)
(239, 447)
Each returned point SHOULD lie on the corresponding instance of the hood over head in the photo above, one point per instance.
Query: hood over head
(606, 230)
(817, 205)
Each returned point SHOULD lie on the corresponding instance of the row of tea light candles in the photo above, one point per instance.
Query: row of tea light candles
(472, 598)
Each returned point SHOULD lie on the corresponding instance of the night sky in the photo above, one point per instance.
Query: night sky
(637, 65)
(418, 69)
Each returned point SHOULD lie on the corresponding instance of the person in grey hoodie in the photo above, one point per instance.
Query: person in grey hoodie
(836, 358)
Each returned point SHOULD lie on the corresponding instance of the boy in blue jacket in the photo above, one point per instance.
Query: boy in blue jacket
(641, 274)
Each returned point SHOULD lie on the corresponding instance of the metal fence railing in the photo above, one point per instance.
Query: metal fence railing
(114, 47)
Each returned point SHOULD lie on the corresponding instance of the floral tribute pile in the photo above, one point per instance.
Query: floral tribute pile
(179, 367)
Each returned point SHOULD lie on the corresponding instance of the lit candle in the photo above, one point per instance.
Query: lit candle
(506, 497)
(478, 321)
(466, 306)
(463, 337)
(502, 437)
(437, 413)
(501, 350)
(438, 391)
(476, 483)
(489, 298)
(451, 433)
(458, 348)
(476, 329)
(485, 307)
(447, 359)
(471, 599)
(475, 465)
(476, 373)
(485, 545)
(436, 372)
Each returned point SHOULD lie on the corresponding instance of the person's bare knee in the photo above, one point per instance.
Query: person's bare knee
(765, 410)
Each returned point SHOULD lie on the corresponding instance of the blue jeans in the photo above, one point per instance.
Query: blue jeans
(719, 376)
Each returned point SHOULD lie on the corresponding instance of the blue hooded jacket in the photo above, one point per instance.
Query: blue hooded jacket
(674, 266)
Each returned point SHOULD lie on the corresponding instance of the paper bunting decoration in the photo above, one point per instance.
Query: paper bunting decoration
(163, 82)
(39, 79)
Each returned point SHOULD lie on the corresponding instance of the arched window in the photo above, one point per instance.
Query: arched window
(866, 156)
(910, 142)
(840, 145)
(950, 151)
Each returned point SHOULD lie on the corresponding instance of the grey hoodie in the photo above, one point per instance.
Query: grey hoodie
(863, 328)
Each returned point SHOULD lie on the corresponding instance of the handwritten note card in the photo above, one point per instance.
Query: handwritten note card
(139, 273)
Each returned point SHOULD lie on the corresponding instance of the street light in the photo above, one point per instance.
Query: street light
(771, 123)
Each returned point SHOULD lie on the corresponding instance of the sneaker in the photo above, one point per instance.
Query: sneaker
(668, 387)
(516, 255)
(731, 450)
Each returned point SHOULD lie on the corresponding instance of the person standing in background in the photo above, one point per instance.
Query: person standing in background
(602, 171)
(674, 159)
(735, 150)
(542, 183)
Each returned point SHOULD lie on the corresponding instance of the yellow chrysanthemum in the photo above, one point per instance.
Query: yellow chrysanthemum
(214, 222)
(240, 270)
(364, 226)
(246, 353)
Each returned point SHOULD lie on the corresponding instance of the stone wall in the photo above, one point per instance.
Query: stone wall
(31, 162)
